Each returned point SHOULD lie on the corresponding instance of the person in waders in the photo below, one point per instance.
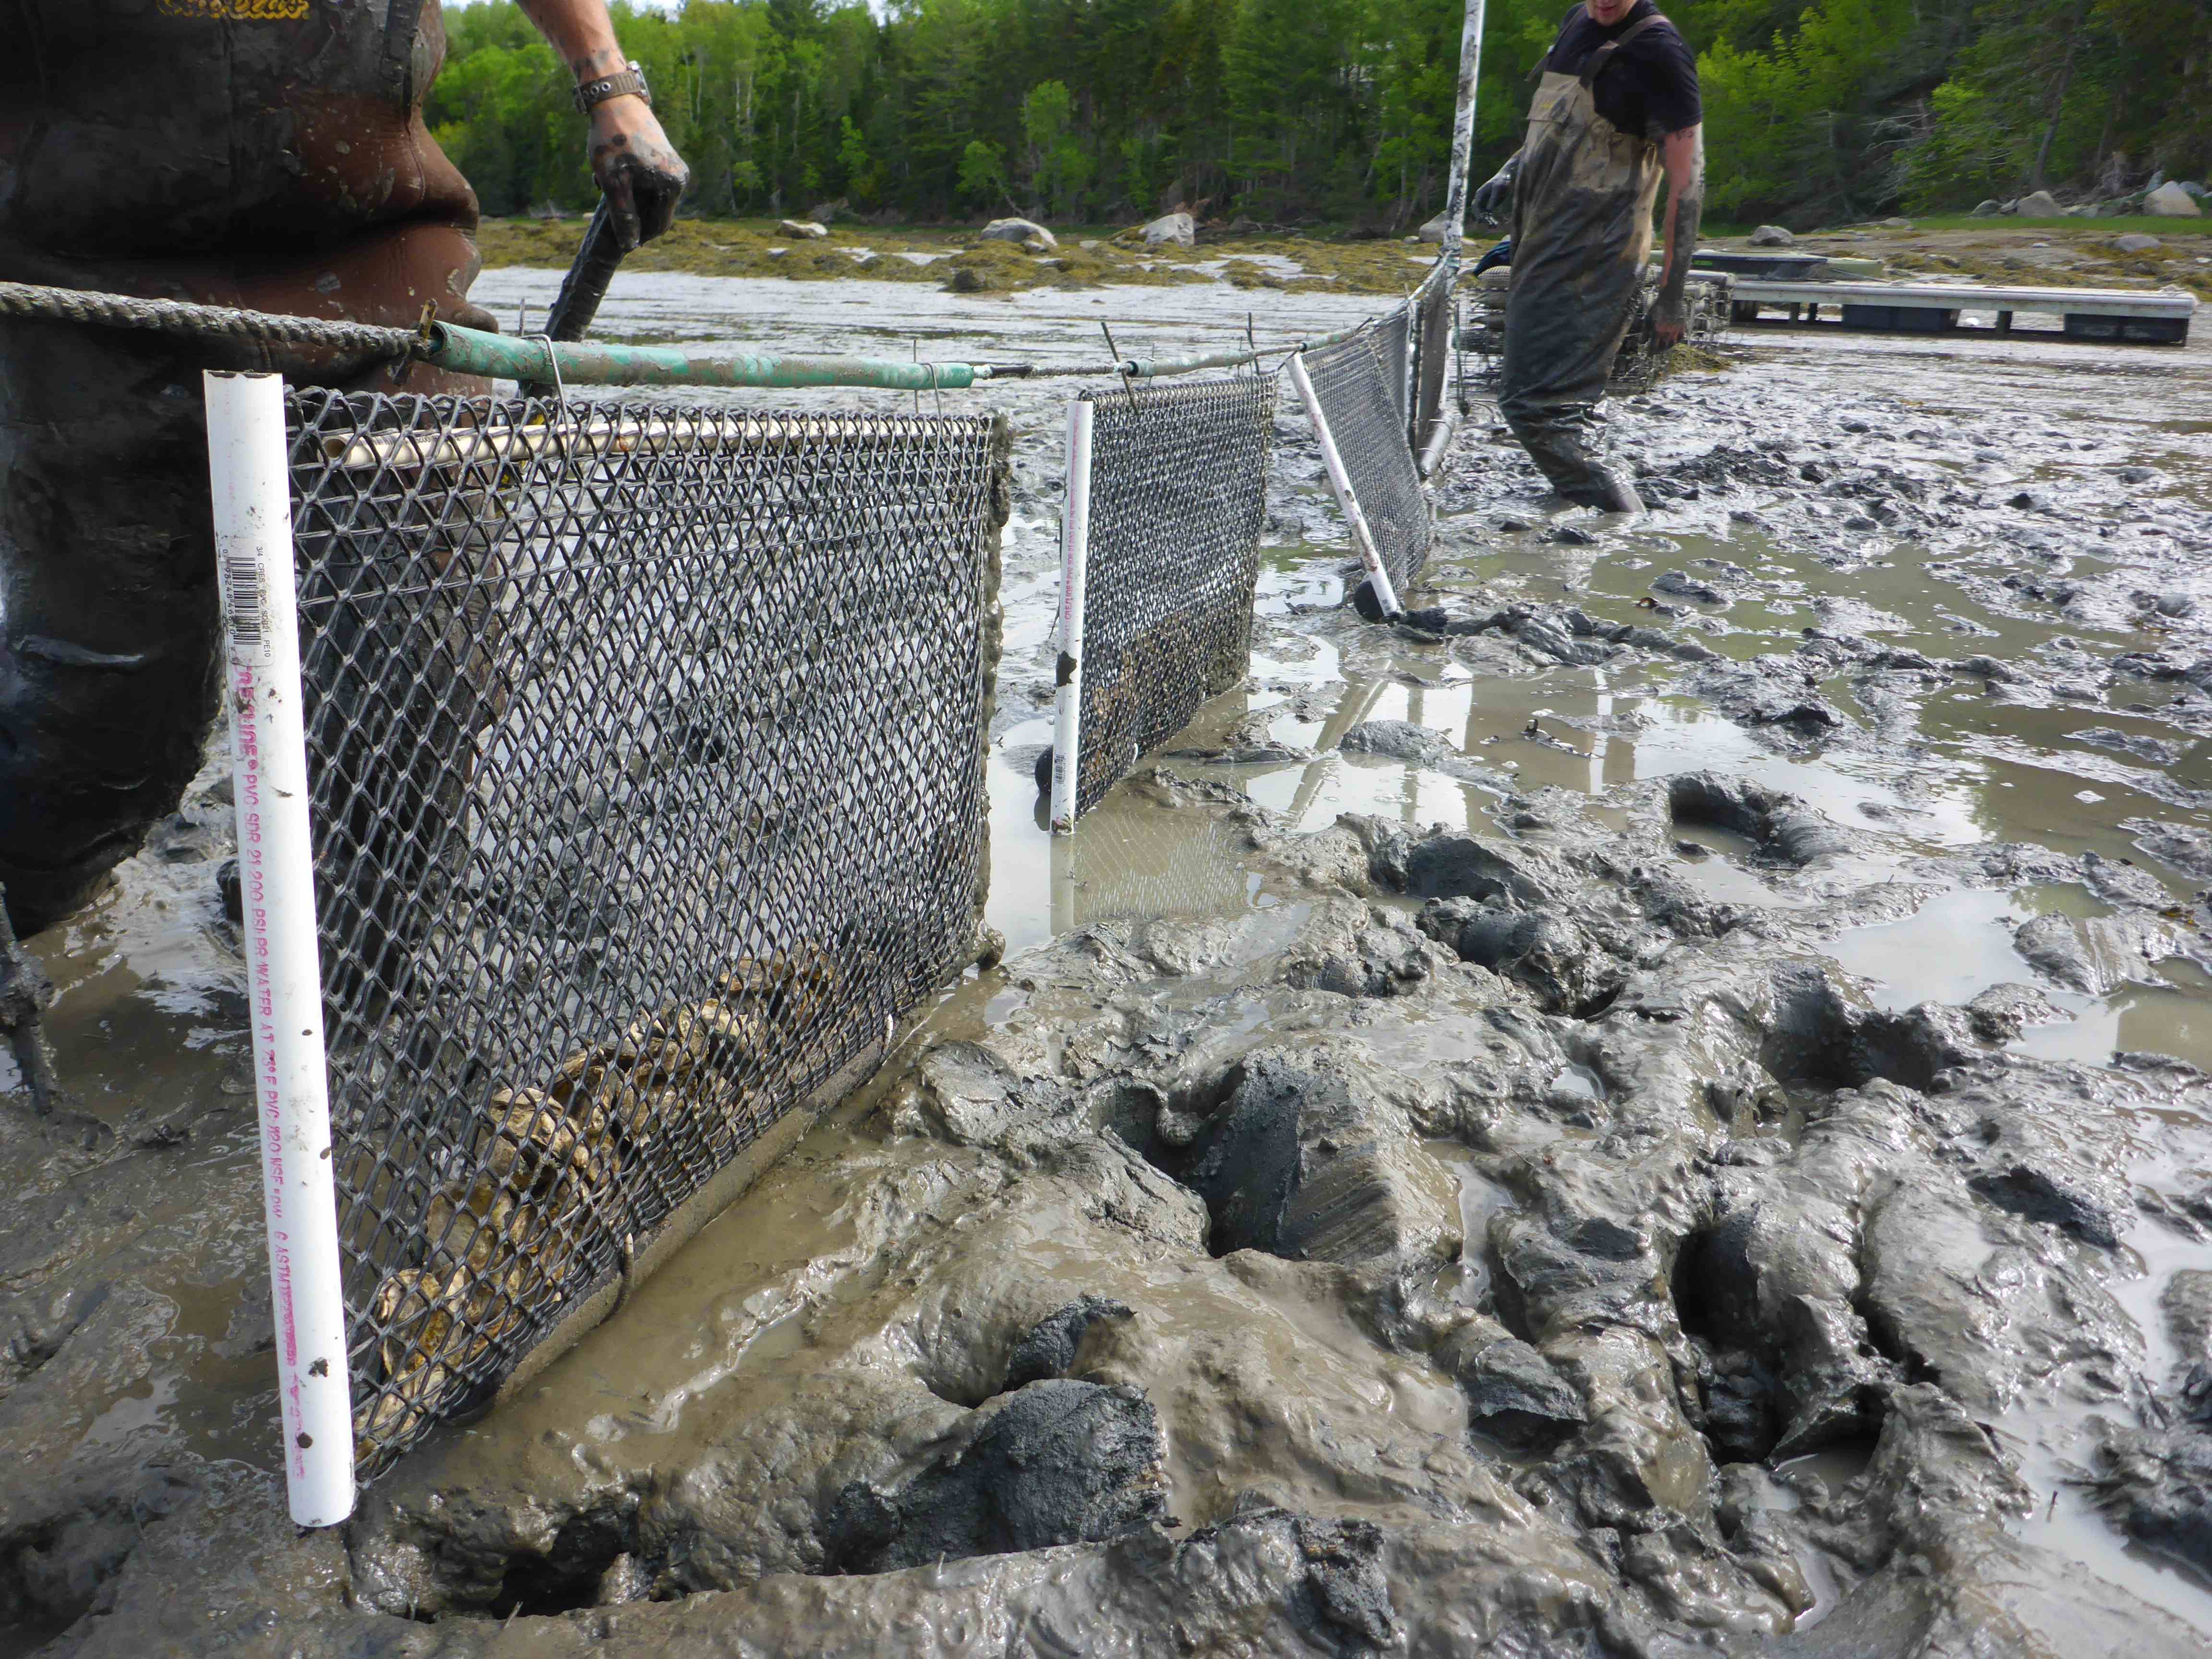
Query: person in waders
(265, 154)
(1616, 106)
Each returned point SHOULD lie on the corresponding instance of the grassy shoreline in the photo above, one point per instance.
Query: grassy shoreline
(2046, 252)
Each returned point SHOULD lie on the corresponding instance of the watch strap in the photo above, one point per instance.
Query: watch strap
(622, 83)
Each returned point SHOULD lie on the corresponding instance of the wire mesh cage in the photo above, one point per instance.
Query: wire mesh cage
(1393, 334)
(1178, 497)
(1131, 862)
(646, 750)
(1353, 386)
(1641, 361)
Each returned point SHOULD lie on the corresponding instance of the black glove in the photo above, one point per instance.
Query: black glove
(1494, 198)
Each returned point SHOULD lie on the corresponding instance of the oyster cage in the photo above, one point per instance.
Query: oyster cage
(1361, 385)
(1176, 486)
(646, 753)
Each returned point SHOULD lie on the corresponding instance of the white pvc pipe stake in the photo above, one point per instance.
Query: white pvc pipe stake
(1470, 77)
(247, 468)
(1340, 482)
(1074, 560)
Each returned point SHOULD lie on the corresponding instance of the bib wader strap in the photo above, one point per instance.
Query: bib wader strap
(1598, 57)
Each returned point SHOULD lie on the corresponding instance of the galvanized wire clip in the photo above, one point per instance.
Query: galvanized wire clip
(1114, 351)
(425, 342)
(553, 359)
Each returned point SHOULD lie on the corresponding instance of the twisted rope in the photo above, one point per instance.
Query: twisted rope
(373, 340)
(178, 316)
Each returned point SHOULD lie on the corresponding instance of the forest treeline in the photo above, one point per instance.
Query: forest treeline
(1339, 111)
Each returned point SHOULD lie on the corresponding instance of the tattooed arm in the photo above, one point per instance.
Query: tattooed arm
(1683, 155)
(639, 172)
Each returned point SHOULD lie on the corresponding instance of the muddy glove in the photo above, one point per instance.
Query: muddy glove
(1492, 199)
(1668, 322)
(639, 173)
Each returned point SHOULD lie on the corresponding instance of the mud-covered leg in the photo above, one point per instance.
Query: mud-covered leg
(1562, 440)
(1560, 349)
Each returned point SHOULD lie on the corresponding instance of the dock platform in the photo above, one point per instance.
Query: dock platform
(2135, 316)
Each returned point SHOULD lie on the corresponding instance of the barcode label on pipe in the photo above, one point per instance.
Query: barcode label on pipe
(243, 612)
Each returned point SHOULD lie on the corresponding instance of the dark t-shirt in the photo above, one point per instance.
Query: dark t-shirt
(1648, 88)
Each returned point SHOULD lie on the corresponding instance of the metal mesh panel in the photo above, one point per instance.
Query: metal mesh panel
(646, 750)
(1641, 361)
(1394, 340)
(1132, 861)
(1178, 496)
(1350, 379)
(1433, 346)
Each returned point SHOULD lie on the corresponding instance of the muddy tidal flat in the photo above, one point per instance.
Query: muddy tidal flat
(1662, 1105)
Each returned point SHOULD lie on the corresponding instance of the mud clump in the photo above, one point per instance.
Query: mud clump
(1053, 1462)
(1569, 971)
(2156, 1484)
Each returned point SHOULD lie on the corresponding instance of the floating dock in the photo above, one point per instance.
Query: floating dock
(2130, 315)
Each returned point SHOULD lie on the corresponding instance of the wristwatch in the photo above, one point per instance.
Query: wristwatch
(621, 84)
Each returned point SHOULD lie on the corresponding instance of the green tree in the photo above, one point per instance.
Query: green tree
(1332, 109)
(982, 173)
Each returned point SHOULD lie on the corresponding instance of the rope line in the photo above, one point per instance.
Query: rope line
(180, 317)
(374, 341)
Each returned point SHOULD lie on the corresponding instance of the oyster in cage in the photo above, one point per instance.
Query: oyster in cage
(507, 1231)
(788, 985)
(416, 1310)
(535, 1141)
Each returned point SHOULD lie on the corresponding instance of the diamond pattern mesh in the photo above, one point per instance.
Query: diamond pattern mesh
(1133, 861)
(646, 747)
(1355, 390)
(1178, 497)
(1394, 336)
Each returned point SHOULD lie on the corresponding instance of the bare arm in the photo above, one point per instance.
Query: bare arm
(638, 171)
(1683, 156)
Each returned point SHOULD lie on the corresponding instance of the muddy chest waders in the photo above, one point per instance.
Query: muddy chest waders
(269, 153)
(1582, 233)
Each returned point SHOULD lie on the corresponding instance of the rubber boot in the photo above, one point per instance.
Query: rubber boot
(1577, 475)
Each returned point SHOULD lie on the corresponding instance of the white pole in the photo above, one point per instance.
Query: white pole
(1441, 433)
(1340, 482)
(248, 470)
(1470, 73)
(1074, 560)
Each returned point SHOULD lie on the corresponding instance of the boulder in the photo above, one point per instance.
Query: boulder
(1897, 224)
(1434, 230)
(1020, 230)
(2135, 242)
(2039, 204)
(2171, 201)
(829, 213)
(1176, 227)
(1771, 236)
(1987, 209)
(805, 229)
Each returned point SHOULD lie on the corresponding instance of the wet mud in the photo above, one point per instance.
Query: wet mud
(1654, 1106)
